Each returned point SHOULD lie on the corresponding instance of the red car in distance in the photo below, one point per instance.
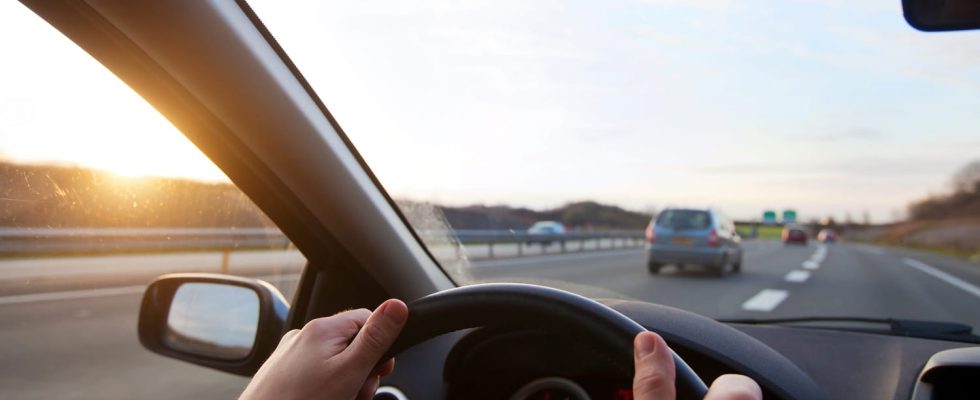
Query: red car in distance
(794, 234)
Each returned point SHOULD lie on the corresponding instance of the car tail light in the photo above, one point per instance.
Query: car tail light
(651, 234)
(713, 238)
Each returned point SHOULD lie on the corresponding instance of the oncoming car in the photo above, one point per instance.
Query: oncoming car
(546, 228)
(682, 236)
(545, 232)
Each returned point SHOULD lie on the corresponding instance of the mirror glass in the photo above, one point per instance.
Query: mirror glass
(213, 320)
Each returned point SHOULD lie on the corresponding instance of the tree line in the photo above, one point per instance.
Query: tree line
(75, 197)
(963, 200)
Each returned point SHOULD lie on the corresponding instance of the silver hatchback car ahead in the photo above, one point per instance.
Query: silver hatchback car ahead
(683, 236)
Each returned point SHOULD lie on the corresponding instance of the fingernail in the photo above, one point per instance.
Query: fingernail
(395, 310)
(383, 309)
(645, 345)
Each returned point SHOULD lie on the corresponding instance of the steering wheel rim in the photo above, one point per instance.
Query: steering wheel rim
(520, 306)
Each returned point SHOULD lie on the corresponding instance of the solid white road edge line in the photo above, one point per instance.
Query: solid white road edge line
(950, 279)
(766, 300)
(102, 292)
(71, 295)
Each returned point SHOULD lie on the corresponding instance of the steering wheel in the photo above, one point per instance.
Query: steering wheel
(522, 306)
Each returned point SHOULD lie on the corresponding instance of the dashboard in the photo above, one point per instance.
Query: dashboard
(490, 364)
(792, 362)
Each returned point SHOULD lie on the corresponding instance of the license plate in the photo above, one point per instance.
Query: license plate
(686, 241)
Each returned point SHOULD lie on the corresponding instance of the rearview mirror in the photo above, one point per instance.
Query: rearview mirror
(942, 15)
(228, 323)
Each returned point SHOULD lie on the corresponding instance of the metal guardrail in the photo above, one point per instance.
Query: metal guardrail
(614, 239)
(89, 240)
(48, 241)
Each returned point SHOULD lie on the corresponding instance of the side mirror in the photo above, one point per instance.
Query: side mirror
(218, 321)
(942, 15)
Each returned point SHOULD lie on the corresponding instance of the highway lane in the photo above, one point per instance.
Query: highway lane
(89, 350)
(623, 274)
(849, 280)
(86, 348)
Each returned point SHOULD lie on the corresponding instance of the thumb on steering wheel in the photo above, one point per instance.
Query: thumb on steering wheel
(377, 335)
(654, 377)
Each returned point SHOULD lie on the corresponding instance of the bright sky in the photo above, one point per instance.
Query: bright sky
(57, 104)
(817, 106)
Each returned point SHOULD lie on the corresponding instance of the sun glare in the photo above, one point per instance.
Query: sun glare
(127, 173)
(83, 115)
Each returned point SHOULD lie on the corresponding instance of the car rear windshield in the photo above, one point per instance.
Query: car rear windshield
(684, 219)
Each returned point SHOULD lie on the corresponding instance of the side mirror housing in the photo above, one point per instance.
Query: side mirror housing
(223, 322)
(942, 15)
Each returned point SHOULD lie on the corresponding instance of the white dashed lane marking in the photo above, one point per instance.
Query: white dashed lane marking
(797, 276)
(766, 300)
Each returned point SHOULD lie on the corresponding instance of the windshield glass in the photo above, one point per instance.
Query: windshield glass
(484, 118)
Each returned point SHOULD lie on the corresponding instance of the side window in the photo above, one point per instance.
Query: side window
(99, 194)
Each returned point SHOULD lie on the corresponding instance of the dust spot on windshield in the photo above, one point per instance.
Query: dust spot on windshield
(433, 229)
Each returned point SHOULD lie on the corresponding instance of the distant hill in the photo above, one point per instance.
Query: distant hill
(962, 202)
(55, 196)
(948, 223)
(959, 204)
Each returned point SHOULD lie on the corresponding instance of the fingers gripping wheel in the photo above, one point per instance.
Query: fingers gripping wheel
(523, 306)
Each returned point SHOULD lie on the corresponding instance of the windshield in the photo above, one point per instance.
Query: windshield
(484, 118)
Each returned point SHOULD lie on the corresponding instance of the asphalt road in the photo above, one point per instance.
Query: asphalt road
(85, 346)
(790, 281)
